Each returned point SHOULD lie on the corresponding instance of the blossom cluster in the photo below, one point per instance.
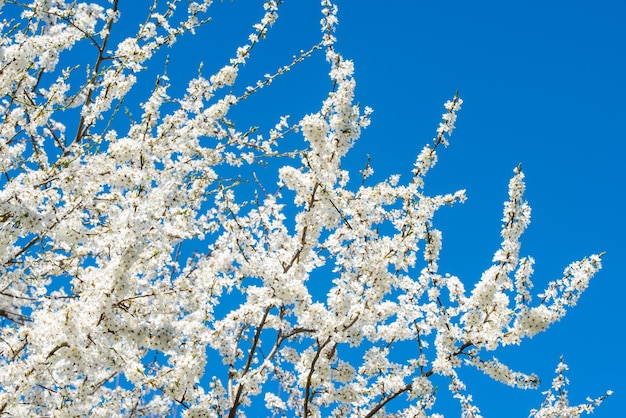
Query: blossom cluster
(140, 276)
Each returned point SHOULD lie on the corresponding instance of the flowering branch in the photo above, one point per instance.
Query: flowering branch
(147, 266)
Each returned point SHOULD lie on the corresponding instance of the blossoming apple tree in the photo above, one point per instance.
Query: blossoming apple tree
(146, 270)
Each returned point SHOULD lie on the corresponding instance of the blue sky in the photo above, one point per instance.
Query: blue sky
(542, 84)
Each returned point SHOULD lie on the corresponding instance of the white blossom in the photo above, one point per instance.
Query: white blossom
(159, 256)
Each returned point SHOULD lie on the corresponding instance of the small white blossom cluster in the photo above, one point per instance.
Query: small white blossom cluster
(447, 126)
(143, 272)
(556, 404)
(427, 158)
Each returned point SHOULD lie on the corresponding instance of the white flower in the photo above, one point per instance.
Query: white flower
(225, 76)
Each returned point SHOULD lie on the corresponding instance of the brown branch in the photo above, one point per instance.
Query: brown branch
(296, 255)
(307, 390)
(387, 400)
(257, 336)
(80, 131)
(57, 348)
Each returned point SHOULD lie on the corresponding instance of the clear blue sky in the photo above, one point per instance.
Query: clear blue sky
(542, 83)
